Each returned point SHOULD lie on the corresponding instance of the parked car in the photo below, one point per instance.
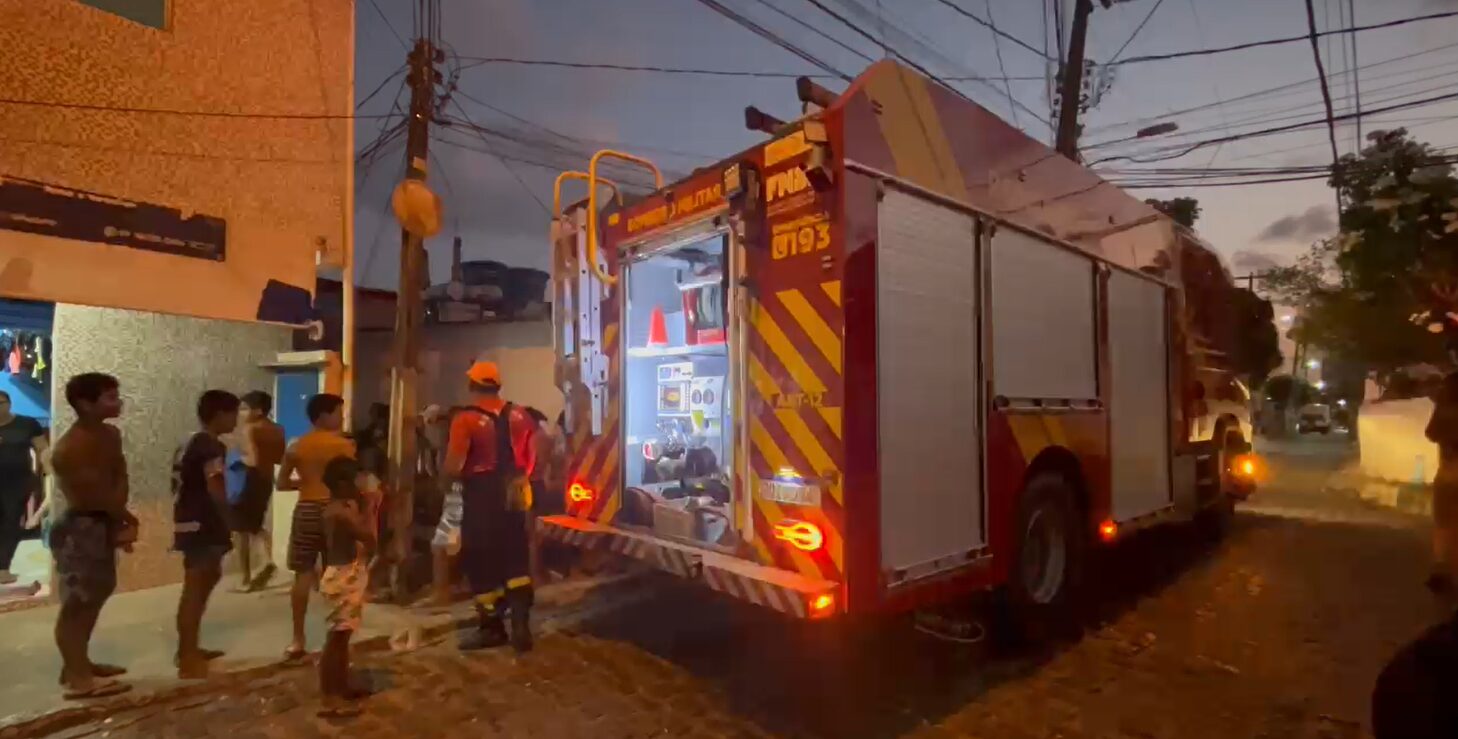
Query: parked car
(1314, 418)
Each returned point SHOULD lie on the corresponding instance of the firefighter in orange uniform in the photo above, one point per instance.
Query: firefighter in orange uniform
(491, 455)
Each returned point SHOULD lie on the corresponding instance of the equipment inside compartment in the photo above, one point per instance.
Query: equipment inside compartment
(678, 430)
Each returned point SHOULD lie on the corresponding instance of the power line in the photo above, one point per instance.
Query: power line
(1115, 58)
(504, 163)
(1356, 73)
(1282, 129)
(390, 25)
(1286, 40)
(690, 71)
(817, 31)
(993, 27)
(1276, 115)
(1001, 67)
(773, 38)
(914, 64)
(1326, 98)
(194, 113)
(1272, 90)
(381, 86)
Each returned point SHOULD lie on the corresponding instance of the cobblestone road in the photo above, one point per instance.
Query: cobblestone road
(1277, 632)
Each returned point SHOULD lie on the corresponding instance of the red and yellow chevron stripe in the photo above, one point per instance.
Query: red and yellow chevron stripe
(795, 393)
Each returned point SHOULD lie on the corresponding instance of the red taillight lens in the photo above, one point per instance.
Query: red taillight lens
(579, 493)
(807, 537)
(1108, 531)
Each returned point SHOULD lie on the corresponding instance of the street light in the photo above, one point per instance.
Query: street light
(1313, 364)
(1321, 384)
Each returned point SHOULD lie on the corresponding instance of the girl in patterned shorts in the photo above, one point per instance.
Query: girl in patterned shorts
(349, 541)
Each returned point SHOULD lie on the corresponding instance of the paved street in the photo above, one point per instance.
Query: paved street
(1277, 632)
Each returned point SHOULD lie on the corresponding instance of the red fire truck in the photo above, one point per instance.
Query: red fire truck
(898, 353)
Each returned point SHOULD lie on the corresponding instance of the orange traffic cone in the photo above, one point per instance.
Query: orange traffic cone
(657, 327)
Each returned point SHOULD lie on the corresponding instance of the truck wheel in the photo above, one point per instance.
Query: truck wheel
(1048, 560)
(1215, 518)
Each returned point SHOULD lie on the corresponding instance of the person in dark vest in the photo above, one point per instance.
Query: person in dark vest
(490, 454)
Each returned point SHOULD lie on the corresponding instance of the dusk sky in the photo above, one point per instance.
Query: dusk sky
(683, 121)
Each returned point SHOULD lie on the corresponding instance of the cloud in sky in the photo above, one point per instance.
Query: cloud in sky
(1247, 261)
(1316, 222)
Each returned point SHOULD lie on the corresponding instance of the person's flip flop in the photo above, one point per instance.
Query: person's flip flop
(348, 710)
(99, 688)
(101, 669)
(294, 654)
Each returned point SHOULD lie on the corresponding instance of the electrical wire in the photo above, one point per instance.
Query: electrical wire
(194, 113)
(816, 30)
(1277, 115)
(1002, 67)
(1267, 91)
(1326, 98)
(993, 27)
(504, 163)
(472, 62)
(1356, 73)
(390, 25)
(1281, 129)
(1152, 10)
(1285, 40)
(381, 86)
(773, 38)
(843, 20)
(700, 156)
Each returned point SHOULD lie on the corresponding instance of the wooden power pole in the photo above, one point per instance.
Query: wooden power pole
(405, 374)
(1071, 90)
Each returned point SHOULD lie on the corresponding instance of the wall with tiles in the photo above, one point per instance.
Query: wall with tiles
(255, 132)
(163, 364)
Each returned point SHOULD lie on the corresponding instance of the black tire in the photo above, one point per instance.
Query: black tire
(1049, 556)
(1216, 517)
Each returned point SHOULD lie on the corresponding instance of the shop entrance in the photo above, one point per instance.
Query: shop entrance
(678, 420)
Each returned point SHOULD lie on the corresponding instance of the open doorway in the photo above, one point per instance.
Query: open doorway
(678, 423)
(25, 420)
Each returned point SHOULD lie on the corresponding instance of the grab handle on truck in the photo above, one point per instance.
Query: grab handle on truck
(602, 274)
(577, 175)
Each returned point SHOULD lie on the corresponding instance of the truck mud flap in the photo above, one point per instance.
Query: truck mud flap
(786, 592)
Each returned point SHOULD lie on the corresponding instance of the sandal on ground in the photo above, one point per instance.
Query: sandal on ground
(208, 655)
(101, 669)
(97, 688)
(295, 654)
(262, 579)
(342, 710)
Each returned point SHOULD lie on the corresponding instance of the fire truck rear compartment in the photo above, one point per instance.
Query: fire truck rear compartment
(678, 429)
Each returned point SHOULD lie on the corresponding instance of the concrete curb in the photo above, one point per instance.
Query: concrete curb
(558, 616)
(1407, 497)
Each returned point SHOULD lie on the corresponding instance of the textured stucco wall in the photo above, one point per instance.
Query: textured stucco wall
(1393, 444)
(279, 183)
(163, 364)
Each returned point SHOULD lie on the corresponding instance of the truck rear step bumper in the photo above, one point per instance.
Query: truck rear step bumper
(787, 592)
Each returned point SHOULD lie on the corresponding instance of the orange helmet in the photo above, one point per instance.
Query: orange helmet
(484, 373)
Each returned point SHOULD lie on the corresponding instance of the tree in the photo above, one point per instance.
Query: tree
(1257, 347)
(1369, 294)
(1184, 211)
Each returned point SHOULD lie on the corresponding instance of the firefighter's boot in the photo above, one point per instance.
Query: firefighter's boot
(519, 600)
(489, 634)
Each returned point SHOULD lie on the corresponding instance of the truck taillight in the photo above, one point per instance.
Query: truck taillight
(802, 535)
(822, 605)
(579, 493)
(1108, 531)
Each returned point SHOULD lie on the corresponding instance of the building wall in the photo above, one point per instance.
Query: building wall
(163, 364)
(279, 183)
(523, 350)
(1393, 445)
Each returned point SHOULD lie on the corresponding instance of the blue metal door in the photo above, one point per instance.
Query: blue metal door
(292, 391)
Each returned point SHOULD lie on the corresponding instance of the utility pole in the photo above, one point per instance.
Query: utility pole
(404, 376)
(1070, 94)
